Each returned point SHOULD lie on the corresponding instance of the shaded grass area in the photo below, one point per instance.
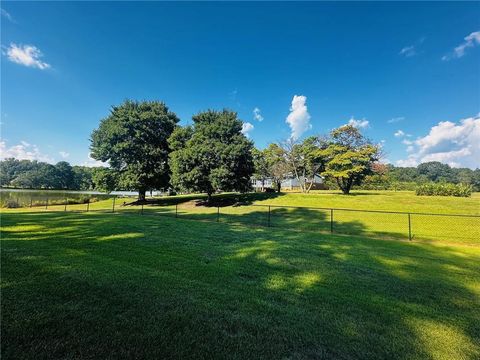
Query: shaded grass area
(92, 285)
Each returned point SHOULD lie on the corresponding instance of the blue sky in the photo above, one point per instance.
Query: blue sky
(407, 74)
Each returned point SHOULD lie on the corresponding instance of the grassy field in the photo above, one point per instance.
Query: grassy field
(98, 285)
(287, 210)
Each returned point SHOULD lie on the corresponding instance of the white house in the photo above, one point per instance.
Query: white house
(291, 183)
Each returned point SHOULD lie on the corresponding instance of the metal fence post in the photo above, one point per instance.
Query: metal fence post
(331, 220)
(268, 223)
(113, 205)
(409, 228)
(218, 213)
(176, 210)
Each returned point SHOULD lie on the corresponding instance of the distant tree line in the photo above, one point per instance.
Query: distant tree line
(390, 177)
(40, 175)
(147, 149)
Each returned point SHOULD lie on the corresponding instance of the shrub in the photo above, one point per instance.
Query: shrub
(11, 204)
(444, 189)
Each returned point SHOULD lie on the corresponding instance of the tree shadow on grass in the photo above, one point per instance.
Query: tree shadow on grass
(97, 285)
(291, 218)
(223, 199)
(385, 225)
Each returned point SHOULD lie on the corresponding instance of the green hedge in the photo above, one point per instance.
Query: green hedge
(444, 189)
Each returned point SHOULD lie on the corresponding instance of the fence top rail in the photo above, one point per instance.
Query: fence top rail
(362, 210)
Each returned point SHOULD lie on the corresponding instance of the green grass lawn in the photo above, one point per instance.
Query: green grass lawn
(288, 211)
(98, 285)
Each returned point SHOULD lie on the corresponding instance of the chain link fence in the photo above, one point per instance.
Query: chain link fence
(384, 224)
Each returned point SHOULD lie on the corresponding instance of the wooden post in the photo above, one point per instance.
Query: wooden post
(218, 213)
(46, 204)
(176, 210)
(142, 210)
(31, 201)
(88, 204)
(66, 201)
(113, 206)
(268, 219)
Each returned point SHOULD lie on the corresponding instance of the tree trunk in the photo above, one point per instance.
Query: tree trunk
(141, 194)
(345, 186)
(341, 185)
(279, 186)
(310, 186)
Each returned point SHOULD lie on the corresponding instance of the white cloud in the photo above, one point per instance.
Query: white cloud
(401, 133)
(299, 118)
(411, 50)
(91, 162)
(257, 114)
(64, 154)
(6, 15)
(396, 119)
(408, 51)
(23, 151)
(359, 124)
(469, 41)
(453, 158)
(27, 55)
(456, 144)
(407, 142)
(411, 161)
(246, 128)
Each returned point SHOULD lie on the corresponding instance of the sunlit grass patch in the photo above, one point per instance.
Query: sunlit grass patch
(152, 284)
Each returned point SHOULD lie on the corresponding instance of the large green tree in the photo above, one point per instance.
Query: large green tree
(105, 179)
(349, 157)
(65, 177)
(212, 154)
(133, 140)
(261, 166)
(82, 178)
(436, 171)
(278, 168)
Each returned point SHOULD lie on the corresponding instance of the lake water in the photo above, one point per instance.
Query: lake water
(26, 197)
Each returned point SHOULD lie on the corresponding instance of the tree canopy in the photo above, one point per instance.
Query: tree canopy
(349, 157)
(212, 154)
(276, 164)
(133, 139)
(304, 160)
(40, 175)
